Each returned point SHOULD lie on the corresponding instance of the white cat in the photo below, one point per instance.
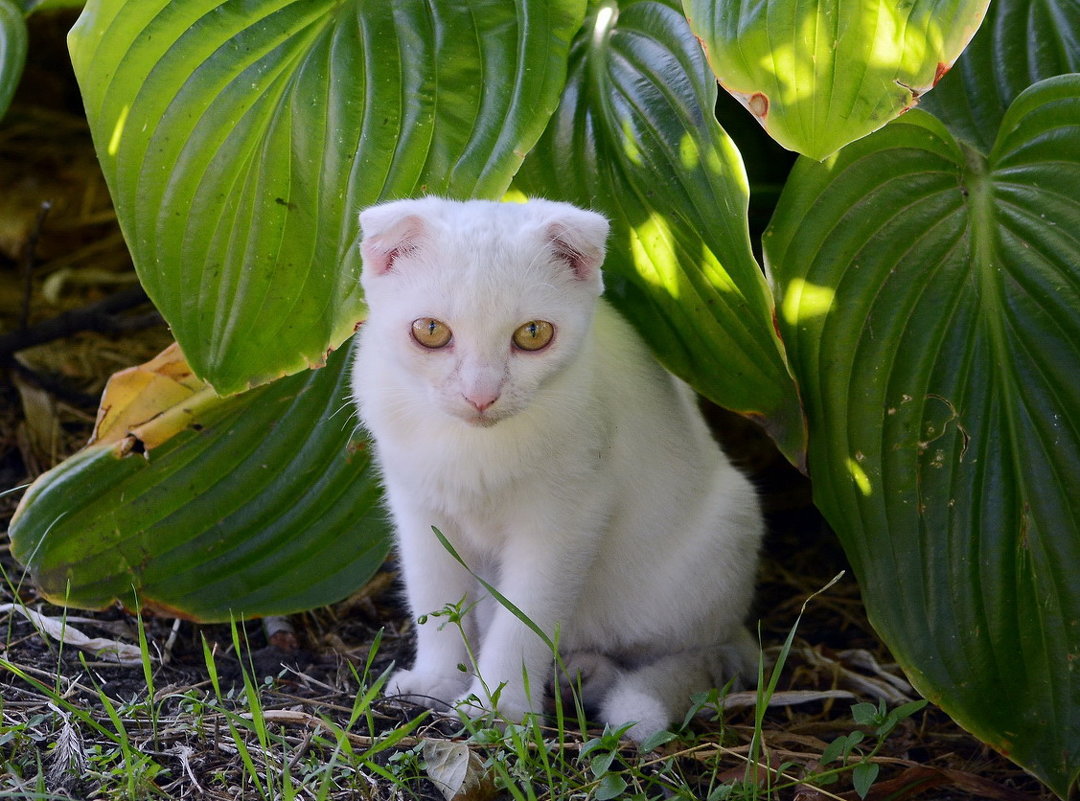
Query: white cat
(521, 415)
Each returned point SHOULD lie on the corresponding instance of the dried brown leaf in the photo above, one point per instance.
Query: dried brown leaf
(457, 771)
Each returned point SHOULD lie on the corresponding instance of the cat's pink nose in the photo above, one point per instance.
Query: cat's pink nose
(482, 402)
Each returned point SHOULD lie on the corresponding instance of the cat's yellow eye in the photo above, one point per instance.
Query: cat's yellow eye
(534, 335)
(431, 333)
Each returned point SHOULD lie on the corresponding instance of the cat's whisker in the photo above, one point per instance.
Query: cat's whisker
(346, 406)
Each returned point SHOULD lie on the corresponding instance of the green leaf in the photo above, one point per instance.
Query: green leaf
(657, 739)
(901, 712)
(835, 750)
(864, 714)
(863, 776)
(261, 503)
(613, 785)
(601, 763)
(930, 300)
(818, 75)
(13, 40)
(635, 138)
(240, 140)
(1020, 42)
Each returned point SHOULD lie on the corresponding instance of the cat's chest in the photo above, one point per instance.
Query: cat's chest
(469, 473)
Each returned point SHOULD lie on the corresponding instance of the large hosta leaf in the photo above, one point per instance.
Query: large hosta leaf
(13, 38)
(240, 139)
(635, 137)
(823, 73)
(1020, 42)
(930, 300)
(204, 507)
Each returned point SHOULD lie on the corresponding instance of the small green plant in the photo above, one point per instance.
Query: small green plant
(864, 771)
(347, 750)
(766, 689)
(605, 765)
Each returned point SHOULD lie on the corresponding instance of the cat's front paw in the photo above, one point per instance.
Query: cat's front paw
(427, 688)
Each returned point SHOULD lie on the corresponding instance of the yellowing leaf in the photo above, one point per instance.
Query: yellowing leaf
(151, 402)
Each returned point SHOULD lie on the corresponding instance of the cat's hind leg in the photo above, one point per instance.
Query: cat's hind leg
(657, 693)
(587, 674)
(653, 695)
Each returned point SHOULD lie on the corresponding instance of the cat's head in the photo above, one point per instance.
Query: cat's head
(480, 305)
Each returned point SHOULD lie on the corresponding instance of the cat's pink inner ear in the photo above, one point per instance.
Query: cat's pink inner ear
(385, 241)
(581, 248)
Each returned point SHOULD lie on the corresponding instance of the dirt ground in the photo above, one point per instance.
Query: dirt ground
(67, 283)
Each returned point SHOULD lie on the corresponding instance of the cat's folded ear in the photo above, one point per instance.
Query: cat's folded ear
(389, 230)
(578, 237)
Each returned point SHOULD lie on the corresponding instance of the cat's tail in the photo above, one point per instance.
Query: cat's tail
(657, 694)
